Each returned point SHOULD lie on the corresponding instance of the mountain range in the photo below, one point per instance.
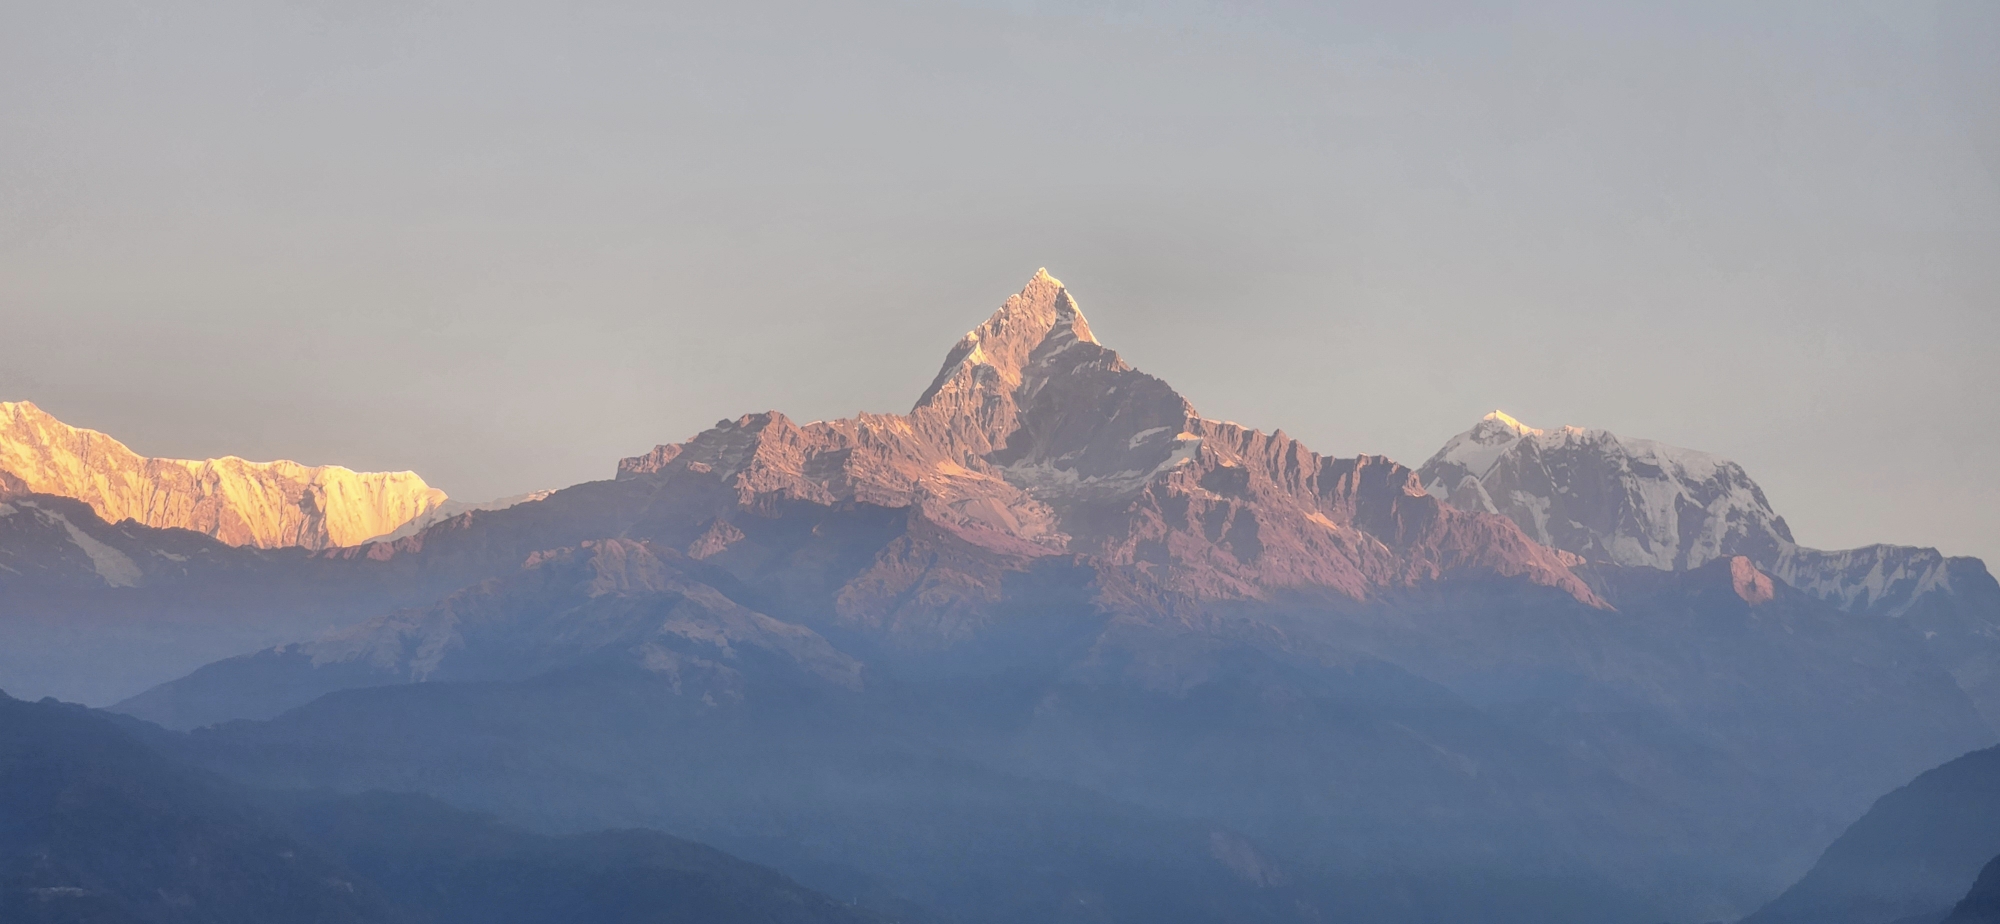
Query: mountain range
(261, 504)
(1912, 857)
(100, 827)
(1054, 646)
(1645, 504)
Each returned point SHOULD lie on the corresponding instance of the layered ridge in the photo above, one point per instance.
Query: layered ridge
(1640, 503)
(1035, 439)
(260, 504)
(1606, 497)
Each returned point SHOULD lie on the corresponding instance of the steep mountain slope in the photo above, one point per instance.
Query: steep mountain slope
(610, 602)
(262, 504)
(1606, 497)
(91, 610)
(1640, 503)
(1036, 440)
(571, 623)
(96, 611)
(1916, 852)
(1951, 602)
(1052, 605)
(97, 827)
(453, 508)
(944, 792)
(1035, 451)
(1718, 688)
(1723, 698)
(1982, 904)
(906, 529)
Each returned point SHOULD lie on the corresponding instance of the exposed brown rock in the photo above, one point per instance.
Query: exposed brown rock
(1752, 585)
(1036, 440)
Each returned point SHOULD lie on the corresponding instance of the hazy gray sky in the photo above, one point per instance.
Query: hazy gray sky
(506, 244)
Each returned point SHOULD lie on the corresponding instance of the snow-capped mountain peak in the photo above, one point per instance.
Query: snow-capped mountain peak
(260, 504)
(1607, 497)
(1504, 419)
(1638, 502)
(1476, 450)
(1037, 439)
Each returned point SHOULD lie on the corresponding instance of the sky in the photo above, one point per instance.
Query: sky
(504, 245)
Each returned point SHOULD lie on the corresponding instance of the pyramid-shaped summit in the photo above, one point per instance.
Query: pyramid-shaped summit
(1007, 339)
(1052, 564)
(1035, 440)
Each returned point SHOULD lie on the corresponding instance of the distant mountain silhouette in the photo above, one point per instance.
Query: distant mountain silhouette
(1916, 852)
(97, 827)
(1982, 904)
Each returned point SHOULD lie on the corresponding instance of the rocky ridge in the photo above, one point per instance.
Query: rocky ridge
(453, 508)
(1055, 569)
(260, 504)
(615, 601)
(1606, 497)
(1035, 440)
(1637, 502)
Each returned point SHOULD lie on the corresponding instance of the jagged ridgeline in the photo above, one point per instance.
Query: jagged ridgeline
(1054, 646)
(1641, 503)
(265, 505)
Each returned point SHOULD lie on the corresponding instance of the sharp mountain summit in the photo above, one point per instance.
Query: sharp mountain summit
(1051, 646)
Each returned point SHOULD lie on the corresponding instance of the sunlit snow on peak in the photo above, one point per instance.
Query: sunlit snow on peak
(1507, 420)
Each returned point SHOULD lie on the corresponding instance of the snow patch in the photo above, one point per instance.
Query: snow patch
(111, 565)
(1188, 446)
(1647, 503)
(1538, 513)
(1048, 476)
(1478, 449)
(1860, 578)
(1505, 419)
(1050, 355)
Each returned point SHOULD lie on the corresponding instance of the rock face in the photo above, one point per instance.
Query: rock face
(1089, 617)
(1606, 497)
(63, 545)
(1035, 440)
(1640, 503)
(261, 504)
(93, 611)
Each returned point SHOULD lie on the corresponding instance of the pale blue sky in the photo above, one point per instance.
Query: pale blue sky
(506, 244)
